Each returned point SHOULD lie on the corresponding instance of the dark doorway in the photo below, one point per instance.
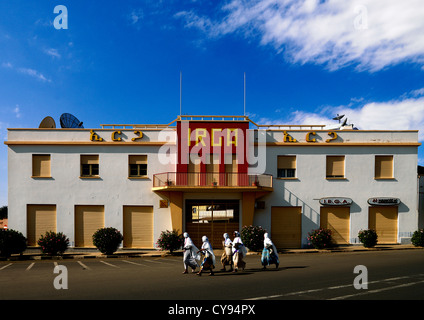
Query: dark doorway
(211, 218)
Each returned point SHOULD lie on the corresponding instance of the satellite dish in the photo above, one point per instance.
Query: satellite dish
(68, 120)
(338, 117)
(47, 123)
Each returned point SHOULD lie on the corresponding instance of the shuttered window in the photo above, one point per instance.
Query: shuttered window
(41, 166)
(88, 219)
(89, 166)
(286, 167)
(335, 166)
(40, 219)
(138, 226)
(337, 219)
(137, 166)
(383, 167)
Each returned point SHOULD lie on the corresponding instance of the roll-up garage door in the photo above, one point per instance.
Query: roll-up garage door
(384, 221)
(286, 226)
(40, 219)
(88, 219)
(337, 219)
(138, 226)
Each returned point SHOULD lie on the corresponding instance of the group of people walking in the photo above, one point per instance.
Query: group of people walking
(234, 252)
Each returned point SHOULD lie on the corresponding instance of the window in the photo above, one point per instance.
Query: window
(41, 166)
(286, 167)
(335, 166)
(383, 167)
(90, 166)
(137, 166)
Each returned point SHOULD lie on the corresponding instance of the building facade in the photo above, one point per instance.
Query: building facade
(210, 175)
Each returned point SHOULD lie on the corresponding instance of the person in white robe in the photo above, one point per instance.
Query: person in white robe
(239, 252)
(208, 262)
(190, 254)
(227, 255)
(269, 253)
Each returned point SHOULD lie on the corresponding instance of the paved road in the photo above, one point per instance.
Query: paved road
(320, 276)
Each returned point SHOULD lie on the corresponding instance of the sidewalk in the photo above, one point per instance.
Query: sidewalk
(88, 253)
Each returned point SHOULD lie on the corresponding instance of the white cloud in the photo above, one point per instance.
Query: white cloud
(371, 34)
(135, 16)
(405, 113)
(34, 73)
(52, 52)
(7, 65)
(17, 111)
(27, 71)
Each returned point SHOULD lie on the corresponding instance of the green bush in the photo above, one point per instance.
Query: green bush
(368, 238)
(11, 242)
(253, 237)
(418, 238)
(53, 243)
(107, 240)
(320, 238)
(170, 240)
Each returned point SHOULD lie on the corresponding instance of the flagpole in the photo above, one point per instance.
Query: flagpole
(181, 83)
(244, 97)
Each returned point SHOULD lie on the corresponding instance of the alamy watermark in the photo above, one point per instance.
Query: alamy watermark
(61, 20)
(361, 20)
(361, 280)
(60, 281)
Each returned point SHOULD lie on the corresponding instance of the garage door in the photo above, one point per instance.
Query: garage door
(384, 221)
(40, 219)
(138, 226)
(88, 219)
(337, 219)
(286, 226)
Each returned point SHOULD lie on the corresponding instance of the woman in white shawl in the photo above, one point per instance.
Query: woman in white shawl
(239, 252)
(190, 254)
(269, 253)
(227, 255)
(209, 257)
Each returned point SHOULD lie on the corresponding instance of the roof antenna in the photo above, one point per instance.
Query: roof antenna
(244, 98)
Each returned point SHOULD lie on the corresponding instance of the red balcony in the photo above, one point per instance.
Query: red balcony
(184, 181)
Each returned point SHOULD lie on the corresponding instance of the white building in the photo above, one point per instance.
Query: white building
(138, 179)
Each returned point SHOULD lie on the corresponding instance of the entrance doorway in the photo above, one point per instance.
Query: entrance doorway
(211, 218)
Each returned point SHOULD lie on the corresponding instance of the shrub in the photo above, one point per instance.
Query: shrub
(11, 241)
(53, 243)
(253, 237)
(170, 240)
(320, 238)
(107, 240)
(418, 238)
(368, 238)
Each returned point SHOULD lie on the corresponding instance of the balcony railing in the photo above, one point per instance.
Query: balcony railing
(211, 179)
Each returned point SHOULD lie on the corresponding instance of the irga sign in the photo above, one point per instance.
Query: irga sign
(201, 136)
(115, 136)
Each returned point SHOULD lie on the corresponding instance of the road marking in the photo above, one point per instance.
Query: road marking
(377, 290)
(132, 262)
(166, 260)
(109, 264)
(345, 286)
(30, 266)
(153, 261)
(7, 265)
(83, 265)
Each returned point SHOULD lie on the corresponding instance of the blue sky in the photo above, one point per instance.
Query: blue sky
(120, 62)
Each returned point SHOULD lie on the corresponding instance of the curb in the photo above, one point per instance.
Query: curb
(98, 255)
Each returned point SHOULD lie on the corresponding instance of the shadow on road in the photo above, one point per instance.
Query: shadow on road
(220, 273)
